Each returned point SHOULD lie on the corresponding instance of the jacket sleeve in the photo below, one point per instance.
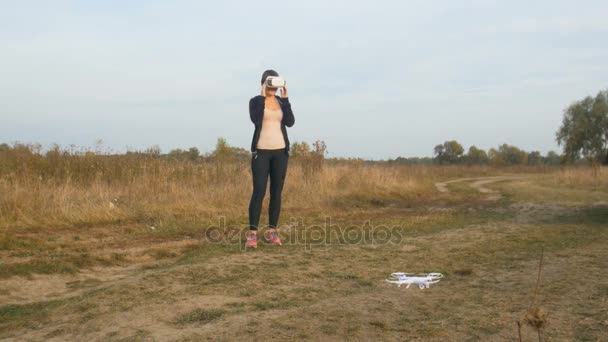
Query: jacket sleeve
(288, 118)
(256, 109)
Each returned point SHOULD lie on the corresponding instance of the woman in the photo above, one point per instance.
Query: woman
(270, 154)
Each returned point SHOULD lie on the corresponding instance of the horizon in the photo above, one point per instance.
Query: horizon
(98, 151)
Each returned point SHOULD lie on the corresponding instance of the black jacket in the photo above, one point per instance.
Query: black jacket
(256, 113)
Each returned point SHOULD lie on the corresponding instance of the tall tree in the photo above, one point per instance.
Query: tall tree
(193, 153)
(584, 129)
(223, 151)
(513, 155)
(476, 156)
(552, 158)
(535, 158)
(450, 152)
(507, 155)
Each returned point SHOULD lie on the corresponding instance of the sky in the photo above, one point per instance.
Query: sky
(373, 79)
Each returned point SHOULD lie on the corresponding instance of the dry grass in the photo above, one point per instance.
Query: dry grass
(81, 261)
(67, 189)
(580, 177)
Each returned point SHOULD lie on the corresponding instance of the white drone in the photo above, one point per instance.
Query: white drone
(423, 281)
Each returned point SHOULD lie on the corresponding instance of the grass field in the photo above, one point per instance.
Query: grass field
(130, 261)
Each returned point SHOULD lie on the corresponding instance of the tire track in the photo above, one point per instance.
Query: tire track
(478, 183)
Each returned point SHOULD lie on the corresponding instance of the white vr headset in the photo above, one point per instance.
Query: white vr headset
(275, 82)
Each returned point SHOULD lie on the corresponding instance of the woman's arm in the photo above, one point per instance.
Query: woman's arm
(288, 117)
(256, 109)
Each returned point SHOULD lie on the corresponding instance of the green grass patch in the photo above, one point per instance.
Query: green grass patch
(159, 254)
(36, 266)
(33, 315)
(549, 194)
(202, 252)
(589, 215)
(200, 316)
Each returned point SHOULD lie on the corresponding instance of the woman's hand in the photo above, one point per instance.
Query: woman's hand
(264, 89)
(284, 93)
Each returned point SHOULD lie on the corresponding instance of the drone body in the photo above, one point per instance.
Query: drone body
(423, 281)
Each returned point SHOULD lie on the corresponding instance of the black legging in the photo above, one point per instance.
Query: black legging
(264, 163)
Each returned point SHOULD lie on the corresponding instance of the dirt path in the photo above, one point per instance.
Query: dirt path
(40, 287)
(478, 183)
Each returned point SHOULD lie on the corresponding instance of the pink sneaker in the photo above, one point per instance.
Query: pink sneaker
(273, 238)
(252, 240)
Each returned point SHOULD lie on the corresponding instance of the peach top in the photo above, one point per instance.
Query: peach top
(271, 136)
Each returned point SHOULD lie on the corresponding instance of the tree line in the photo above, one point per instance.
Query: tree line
(583, 136)
(452, 152)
